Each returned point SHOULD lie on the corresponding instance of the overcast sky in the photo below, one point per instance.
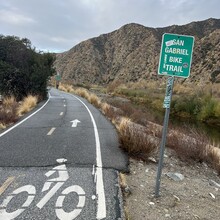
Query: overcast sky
(58, 25)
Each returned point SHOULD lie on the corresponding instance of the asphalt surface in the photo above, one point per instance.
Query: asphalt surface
(67, 127)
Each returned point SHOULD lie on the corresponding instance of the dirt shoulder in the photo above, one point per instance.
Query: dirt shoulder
(195, 197)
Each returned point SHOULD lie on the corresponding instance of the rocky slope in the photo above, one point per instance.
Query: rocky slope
(131, 53)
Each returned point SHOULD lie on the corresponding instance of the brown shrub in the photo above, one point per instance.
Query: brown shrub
(27, 104)
(111, 112)
(8, 111)
(188, 146)
(82, 92)
(94, 100)
(134, 140)
(213, 157)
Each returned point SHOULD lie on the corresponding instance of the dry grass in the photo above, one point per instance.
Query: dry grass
(182, 89)
(8, 102)
(111, 112)
(66, 88)
(135, 140)
(213, 157)
(190, 145)
(193, 146)
(2, 126)
(8, 111)
(82, 92)
(27, 105)
(94, 100)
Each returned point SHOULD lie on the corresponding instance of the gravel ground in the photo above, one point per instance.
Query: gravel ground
(197, 196)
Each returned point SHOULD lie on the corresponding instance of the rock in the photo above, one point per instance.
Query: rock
(152, 159)
(127, 190)
(177, 198)
(212, 195)
(151, 203)
(167, 216)
(175, 176)
(213, 183)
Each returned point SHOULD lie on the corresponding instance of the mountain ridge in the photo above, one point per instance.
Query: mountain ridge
(131, 53)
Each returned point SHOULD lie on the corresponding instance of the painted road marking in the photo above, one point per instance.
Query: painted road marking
(61, 214)
(64, 105)
(6, 184)
(61, 113)
(101, 203)
(11, 215)
(51, 131)
(75, 122)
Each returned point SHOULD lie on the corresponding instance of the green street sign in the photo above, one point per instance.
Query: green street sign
(58, 77)
(176, 55)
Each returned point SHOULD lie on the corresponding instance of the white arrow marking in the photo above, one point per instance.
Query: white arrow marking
(75, 122)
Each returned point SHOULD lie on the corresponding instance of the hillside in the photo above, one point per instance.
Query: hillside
(131, 53)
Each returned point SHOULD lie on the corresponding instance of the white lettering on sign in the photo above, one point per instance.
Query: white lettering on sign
(175, 59)
(176, 51)
(174, 68)
(175, 42)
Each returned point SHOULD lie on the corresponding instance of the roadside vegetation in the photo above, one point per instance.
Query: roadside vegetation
(11, 109)
(141, 138)
(195, 102)
(23, 70)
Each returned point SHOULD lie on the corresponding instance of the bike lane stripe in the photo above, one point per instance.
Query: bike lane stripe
(101, 203)
(51, 131)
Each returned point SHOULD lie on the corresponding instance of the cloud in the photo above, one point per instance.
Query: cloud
(12, 17)
(59, 25)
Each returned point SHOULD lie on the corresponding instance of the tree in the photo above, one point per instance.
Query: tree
(23, 71)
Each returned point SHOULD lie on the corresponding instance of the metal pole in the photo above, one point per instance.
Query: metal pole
(164, 136)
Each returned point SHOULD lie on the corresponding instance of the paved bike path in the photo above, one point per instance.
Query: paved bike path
(31, 149)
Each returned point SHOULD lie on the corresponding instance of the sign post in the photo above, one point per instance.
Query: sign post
(175, 60)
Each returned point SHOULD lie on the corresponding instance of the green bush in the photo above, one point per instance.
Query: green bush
(23, 71)
(210, 109)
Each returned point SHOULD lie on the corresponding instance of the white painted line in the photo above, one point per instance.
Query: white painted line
(48, 196)
(51, 131)
(61, 214)
(93, 169)
(61, 113)
(101, 203)
(19, 123)
(4, 214)
(64, 105)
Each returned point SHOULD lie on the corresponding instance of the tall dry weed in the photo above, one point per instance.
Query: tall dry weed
(8, 102)
(27, 105)
(66, 88)
(213, 157)
(2, 126)
(8, 111)
(82, 92)
(134, 140)
(94, 100)
(188, 145)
